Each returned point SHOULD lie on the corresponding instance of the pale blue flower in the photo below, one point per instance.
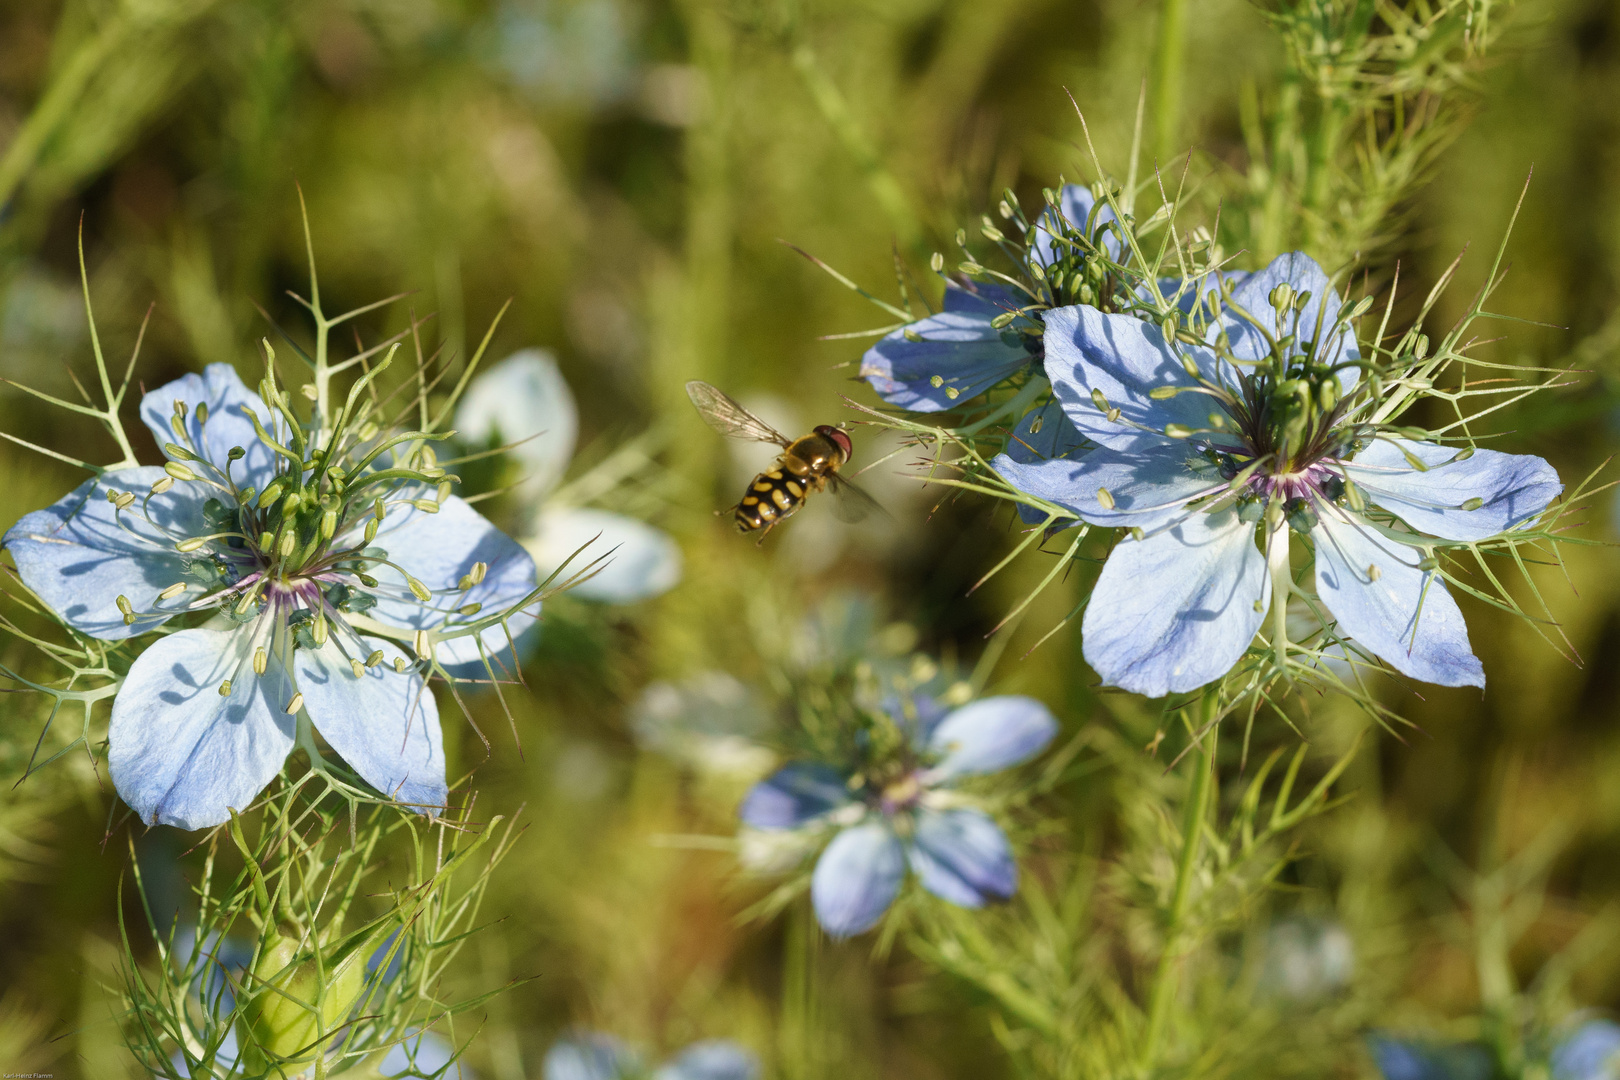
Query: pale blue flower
(1183, 594)
(308, 598)
(523, 401)
(944, 360)
(905, 813)
(594, 1056)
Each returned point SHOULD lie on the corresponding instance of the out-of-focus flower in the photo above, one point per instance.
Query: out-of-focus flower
(1306, 959)
(710, 721)
(1266, 424)
(579, 53)
(905, 812)
(523, 402)
(1590, 1052)
(1399, 1059)
(594, 1056)
(317, 554)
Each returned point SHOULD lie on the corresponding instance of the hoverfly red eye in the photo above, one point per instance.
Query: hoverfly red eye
(839, 437)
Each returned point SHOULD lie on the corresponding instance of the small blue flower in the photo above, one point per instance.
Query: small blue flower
(524, 401)
(594, 1056)
(908, 816)
(312, 575)
(1179, 601)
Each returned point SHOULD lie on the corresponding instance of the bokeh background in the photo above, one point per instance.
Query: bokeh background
(624, 170)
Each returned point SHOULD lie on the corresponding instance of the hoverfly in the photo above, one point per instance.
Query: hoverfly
(806, 464)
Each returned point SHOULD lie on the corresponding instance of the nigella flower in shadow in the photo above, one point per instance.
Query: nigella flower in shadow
(1266, 425)
(320, 551)
(904, 812)
(524, 402)
(595, 1056)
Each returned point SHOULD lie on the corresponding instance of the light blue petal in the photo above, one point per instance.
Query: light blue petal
(222, 389)
(1514, 487)
(961, 855)
(1149, 483)
(989, 735)
(523, 400)
(79, 555)
(712, 1059)
(1125, 359)
(438, 550)
(981, 299)
(795, 794)
(857, 878)
(640, 561)
(1043, 434)
(1075, 202)
(1177, 610)
(182, 754)
(1381, 612)
(959, 348)
(1592, 1052)
(384, 723)
(1301, 272)
(590, 1056)
(423, 1054)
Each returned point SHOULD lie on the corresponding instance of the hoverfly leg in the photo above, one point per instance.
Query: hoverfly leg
(763, 533)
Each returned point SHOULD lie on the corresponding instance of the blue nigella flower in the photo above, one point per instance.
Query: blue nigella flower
(523, 401)
(594, 1056)
(1191, 464)
(907, 814)
(312, 568)
(1590, 1052)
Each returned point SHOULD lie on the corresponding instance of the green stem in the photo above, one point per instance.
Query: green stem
(835, 111)
(1165, 979)
(1169, 56)
(1282, 583)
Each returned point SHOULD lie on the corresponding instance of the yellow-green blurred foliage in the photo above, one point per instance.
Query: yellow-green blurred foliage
(624, 170)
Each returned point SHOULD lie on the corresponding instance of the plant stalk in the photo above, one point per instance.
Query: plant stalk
(1166, 979)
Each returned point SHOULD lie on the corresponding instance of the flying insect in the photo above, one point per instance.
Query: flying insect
(807, 464)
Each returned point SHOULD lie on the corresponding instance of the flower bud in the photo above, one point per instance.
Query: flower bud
(298, 1003)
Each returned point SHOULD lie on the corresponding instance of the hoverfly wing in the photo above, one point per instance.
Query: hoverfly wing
(727, 417)
(851, 503)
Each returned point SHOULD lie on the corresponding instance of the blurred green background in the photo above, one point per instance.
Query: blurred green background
(624, 169)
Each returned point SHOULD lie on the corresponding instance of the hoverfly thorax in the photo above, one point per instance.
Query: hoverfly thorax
(807, 464)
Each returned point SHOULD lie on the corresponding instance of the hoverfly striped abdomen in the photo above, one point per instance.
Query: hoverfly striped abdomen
(775, 494)
(806, 464)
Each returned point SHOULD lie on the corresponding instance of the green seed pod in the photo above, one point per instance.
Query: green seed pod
(299, 1003)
